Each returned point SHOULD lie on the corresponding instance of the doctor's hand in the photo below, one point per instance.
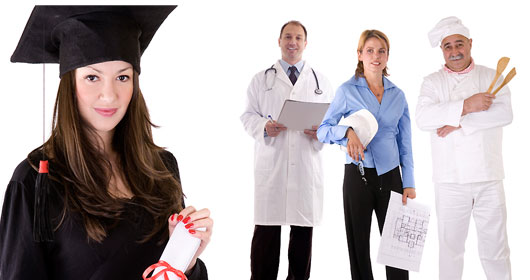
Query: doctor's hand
(354, 145)
(408, 192)
(445, 130)
(312, 132)
(194, 219)
(477, 102)
(273, 128)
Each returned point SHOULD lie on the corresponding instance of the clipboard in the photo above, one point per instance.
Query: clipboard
(300, 115)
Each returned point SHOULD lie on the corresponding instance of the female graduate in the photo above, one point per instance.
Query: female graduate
(368, 188)
(111, 197)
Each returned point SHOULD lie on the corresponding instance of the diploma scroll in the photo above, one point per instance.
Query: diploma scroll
(177, 255)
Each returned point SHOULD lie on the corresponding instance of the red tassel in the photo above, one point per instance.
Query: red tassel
(42, 229)
(43, 166)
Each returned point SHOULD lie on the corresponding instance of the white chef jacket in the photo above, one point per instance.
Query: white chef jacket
(287, 168)
(474, 152)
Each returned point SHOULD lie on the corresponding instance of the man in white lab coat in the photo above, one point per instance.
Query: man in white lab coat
(466, 126)
(287, 164)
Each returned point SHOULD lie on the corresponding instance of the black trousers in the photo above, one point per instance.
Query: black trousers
(360, 200)
(265, 252)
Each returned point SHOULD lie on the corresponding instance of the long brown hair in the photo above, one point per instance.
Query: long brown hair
(82, 170)
(367, 34)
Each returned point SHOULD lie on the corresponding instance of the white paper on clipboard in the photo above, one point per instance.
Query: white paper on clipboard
(300, 115)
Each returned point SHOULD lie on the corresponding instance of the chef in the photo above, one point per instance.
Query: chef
(465, 123)
(287, 164)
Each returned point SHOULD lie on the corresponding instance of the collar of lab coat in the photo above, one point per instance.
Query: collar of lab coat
(299, 65)
(283, 76)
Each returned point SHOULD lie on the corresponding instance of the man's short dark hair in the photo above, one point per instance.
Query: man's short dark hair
(295, 22)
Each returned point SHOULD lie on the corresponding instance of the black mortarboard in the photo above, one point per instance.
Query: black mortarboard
(76, 36)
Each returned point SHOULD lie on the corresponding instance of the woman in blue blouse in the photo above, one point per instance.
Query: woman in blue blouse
(368, 189)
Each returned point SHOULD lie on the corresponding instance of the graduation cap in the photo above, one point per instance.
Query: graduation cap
(77, 36)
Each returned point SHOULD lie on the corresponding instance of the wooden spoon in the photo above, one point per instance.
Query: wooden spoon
(506, 80)
(501, 65)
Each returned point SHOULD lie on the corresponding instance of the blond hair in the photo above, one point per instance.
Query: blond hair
(367, 34)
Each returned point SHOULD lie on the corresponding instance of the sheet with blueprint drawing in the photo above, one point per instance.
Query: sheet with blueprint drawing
(404, 234)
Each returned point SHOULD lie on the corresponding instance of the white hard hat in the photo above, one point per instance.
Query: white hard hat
(363, 123)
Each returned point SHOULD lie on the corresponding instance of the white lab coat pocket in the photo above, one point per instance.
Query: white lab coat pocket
(264, 155)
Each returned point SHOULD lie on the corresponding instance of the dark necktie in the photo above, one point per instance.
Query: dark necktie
(292, 75)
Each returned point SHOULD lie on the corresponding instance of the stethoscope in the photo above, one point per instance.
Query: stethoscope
(317, 90)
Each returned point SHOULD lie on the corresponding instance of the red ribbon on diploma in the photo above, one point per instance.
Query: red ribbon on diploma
(167, 268)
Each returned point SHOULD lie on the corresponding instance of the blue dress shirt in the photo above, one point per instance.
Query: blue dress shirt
(391, 146)
(299, 66)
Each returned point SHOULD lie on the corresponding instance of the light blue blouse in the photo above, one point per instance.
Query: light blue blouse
(391, 146)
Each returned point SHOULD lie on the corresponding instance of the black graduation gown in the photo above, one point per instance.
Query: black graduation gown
(71, 255)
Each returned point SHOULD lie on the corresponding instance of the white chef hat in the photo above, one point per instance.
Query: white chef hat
(363, 123)
(447, 27)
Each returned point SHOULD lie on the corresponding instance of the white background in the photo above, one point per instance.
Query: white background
(195, 75)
